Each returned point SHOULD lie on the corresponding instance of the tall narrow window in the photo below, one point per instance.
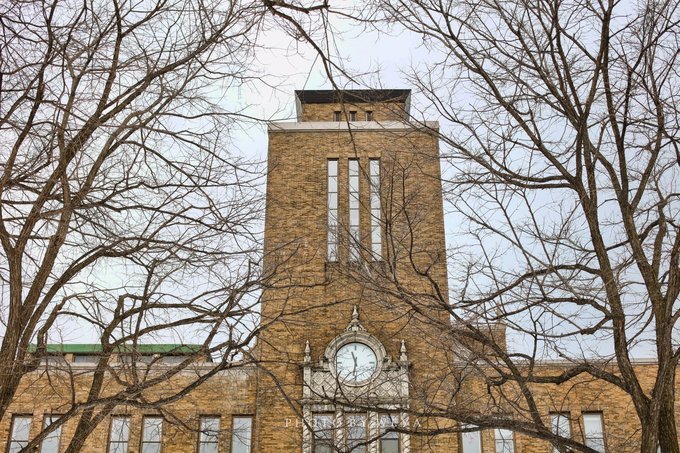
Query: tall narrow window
(50, 444)
(337, 116)
(504, 442)
(356, 433)
(208, 438)
(323, 433)
(21, 429)
(354, 236)
(471, 441)
(376, 230)
(152, 434)
(353, 115)
(369, 115)
(119, 435)
(241, 434)
(593, 431)
(560, 425)
(389, 442)
(332, 167)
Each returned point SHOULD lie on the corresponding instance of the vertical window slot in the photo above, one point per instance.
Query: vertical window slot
(332, 167)
(376, 230)
(354, 233)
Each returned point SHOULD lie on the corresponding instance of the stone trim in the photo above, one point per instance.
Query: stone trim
(355, 126)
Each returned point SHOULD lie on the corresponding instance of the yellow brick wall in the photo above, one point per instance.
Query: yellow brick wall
(227, 394)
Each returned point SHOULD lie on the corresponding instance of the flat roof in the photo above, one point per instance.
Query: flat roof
(351, 96)
(355, 96)
(93, 348)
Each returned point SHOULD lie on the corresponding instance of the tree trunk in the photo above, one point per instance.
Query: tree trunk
(10, 375)
(668, 434)
(649, 440)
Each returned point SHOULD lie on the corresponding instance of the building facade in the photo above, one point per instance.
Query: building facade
(353, 357)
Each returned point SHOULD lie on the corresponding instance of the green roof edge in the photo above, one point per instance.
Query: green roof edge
(92, 348)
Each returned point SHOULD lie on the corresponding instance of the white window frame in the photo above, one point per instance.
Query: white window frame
(391, 419)
(558, 422)
(148, 431)
(20, 432)
(123, 430)
(47, 444)
(594, 439)
(323, 441)
(471, 440)
(504, 440)
(207, 436)
(360, 446)
(241, 433)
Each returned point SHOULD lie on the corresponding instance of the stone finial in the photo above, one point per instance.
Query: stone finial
(308, 352)
(354, 324)
(403, 357)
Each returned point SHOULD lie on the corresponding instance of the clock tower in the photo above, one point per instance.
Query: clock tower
(356, 266)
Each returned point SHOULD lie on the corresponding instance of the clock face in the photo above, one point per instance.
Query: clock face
(355, 362)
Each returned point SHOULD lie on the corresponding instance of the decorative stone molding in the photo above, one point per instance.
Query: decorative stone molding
(324, 393)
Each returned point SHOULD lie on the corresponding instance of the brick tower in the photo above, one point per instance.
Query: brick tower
(354, 218)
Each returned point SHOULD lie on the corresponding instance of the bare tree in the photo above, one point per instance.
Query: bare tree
(124, 211)
(561, 145)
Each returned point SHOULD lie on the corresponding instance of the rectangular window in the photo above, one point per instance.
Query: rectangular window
(241, 434)
(337, 116)
(173, 359)
(504, 441)
(389, 442)
(54, 361)
(593, 431)
(332, 167)
(353, 116)
(120, 434)
(152, 434)
(560, 425)
(369, 115)
(471, 441)
(376, 230)
(21, 429)
(208, 438)
(50, 444)
(89, 359)
(354, 236)
(323, 433)
(356, 433)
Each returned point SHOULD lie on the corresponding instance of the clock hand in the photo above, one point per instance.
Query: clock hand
(355, 365)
